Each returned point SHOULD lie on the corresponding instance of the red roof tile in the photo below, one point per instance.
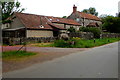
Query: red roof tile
(33, 21)
(88, 16)
(92, 24)
(62, 20)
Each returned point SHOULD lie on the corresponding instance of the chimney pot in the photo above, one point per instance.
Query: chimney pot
(74, 8)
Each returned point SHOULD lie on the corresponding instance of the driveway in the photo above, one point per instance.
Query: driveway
(43, 54)
(99, 62)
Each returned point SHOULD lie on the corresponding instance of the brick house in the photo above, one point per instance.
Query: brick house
(31, 25)
(85, 19)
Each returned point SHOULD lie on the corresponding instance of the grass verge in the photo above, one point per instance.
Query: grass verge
(81, 43)
(14, 55)
(44, 45)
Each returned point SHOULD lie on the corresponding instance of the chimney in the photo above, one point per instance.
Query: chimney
(74, 8)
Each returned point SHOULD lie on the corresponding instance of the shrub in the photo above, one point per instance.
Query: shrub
(95, 31)
(82, 43)
(72, 29)
(61, 43)
(111, 24)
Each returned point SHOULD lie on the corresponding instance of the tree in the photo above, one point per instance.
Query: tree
(91, 10)
(119, 14)
(111, 24)
(95, 31)
(8, 9)
(64, 17)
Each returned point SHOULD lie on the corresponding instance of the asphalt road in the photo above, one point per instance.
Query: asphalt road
(99, 62)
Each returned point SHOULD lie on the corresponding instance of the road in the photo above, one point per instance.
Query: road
(99, 62)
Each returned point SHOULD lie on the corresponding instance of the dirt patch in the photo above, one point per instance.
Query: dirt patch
(43, 54)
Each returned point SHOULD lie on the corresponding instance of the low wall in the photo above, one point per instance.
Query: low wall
(13, 41)
(110, 35)
(84, 35)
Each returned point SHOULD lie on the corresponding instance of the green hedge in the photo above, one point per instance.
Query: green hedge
(95, 31)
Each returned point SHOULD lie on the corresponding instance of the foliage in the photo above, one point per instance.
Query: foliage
(61, 43)
(64, 17)
(72, 29)
(8, 9)
(82, 43)
(91, 10)
(102, 16)
(119, 14)
(95, 31)
(11, 54)
(111, 24)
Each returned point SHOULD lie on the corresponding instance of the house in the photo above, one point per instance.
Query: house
(31, 25)
(85, 19)
(64, 23)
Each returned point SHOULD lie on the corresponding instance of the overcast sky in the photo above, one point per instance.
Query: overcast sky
(59, 8)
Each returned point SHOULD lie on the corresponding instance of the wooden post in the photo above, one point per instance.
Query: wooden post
(94, 41)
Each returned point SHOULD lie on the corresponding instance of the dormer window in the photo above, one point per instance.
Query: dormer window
(41, 26)
(77, 19)
(50, 19)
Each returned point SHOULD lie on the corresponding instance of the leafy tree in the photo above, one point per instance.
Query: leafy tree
(111, 24)
(103, 16)
(119, 14)
(91, 10)
(95, 31)
(8, 9)
(64, 17)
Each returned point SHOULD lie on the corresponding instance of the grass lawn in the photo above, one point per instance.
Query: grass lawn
(43, 44)
(81, 43)
(18, 55)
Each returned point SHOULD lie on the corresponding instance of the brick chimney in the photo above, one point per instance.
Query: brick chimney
(74, 8)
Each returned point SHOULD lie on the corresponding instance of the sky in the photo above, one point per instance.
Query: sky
(60, 8)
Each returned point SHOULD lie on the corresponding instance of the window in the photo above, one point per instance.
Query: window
(58, 20)
(77, 19)
(50, 19)
(41, 26)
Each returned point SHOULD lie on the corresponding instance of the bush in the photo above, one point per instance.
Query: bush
(95, 31)
(72, 29)
(61, 43)
(82, 43)
(111, 24)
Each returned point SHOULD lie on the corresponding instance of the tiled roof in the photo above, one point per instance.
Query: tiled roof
(32, 21)
(62, 20)
(88, 16)
(92, 24)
